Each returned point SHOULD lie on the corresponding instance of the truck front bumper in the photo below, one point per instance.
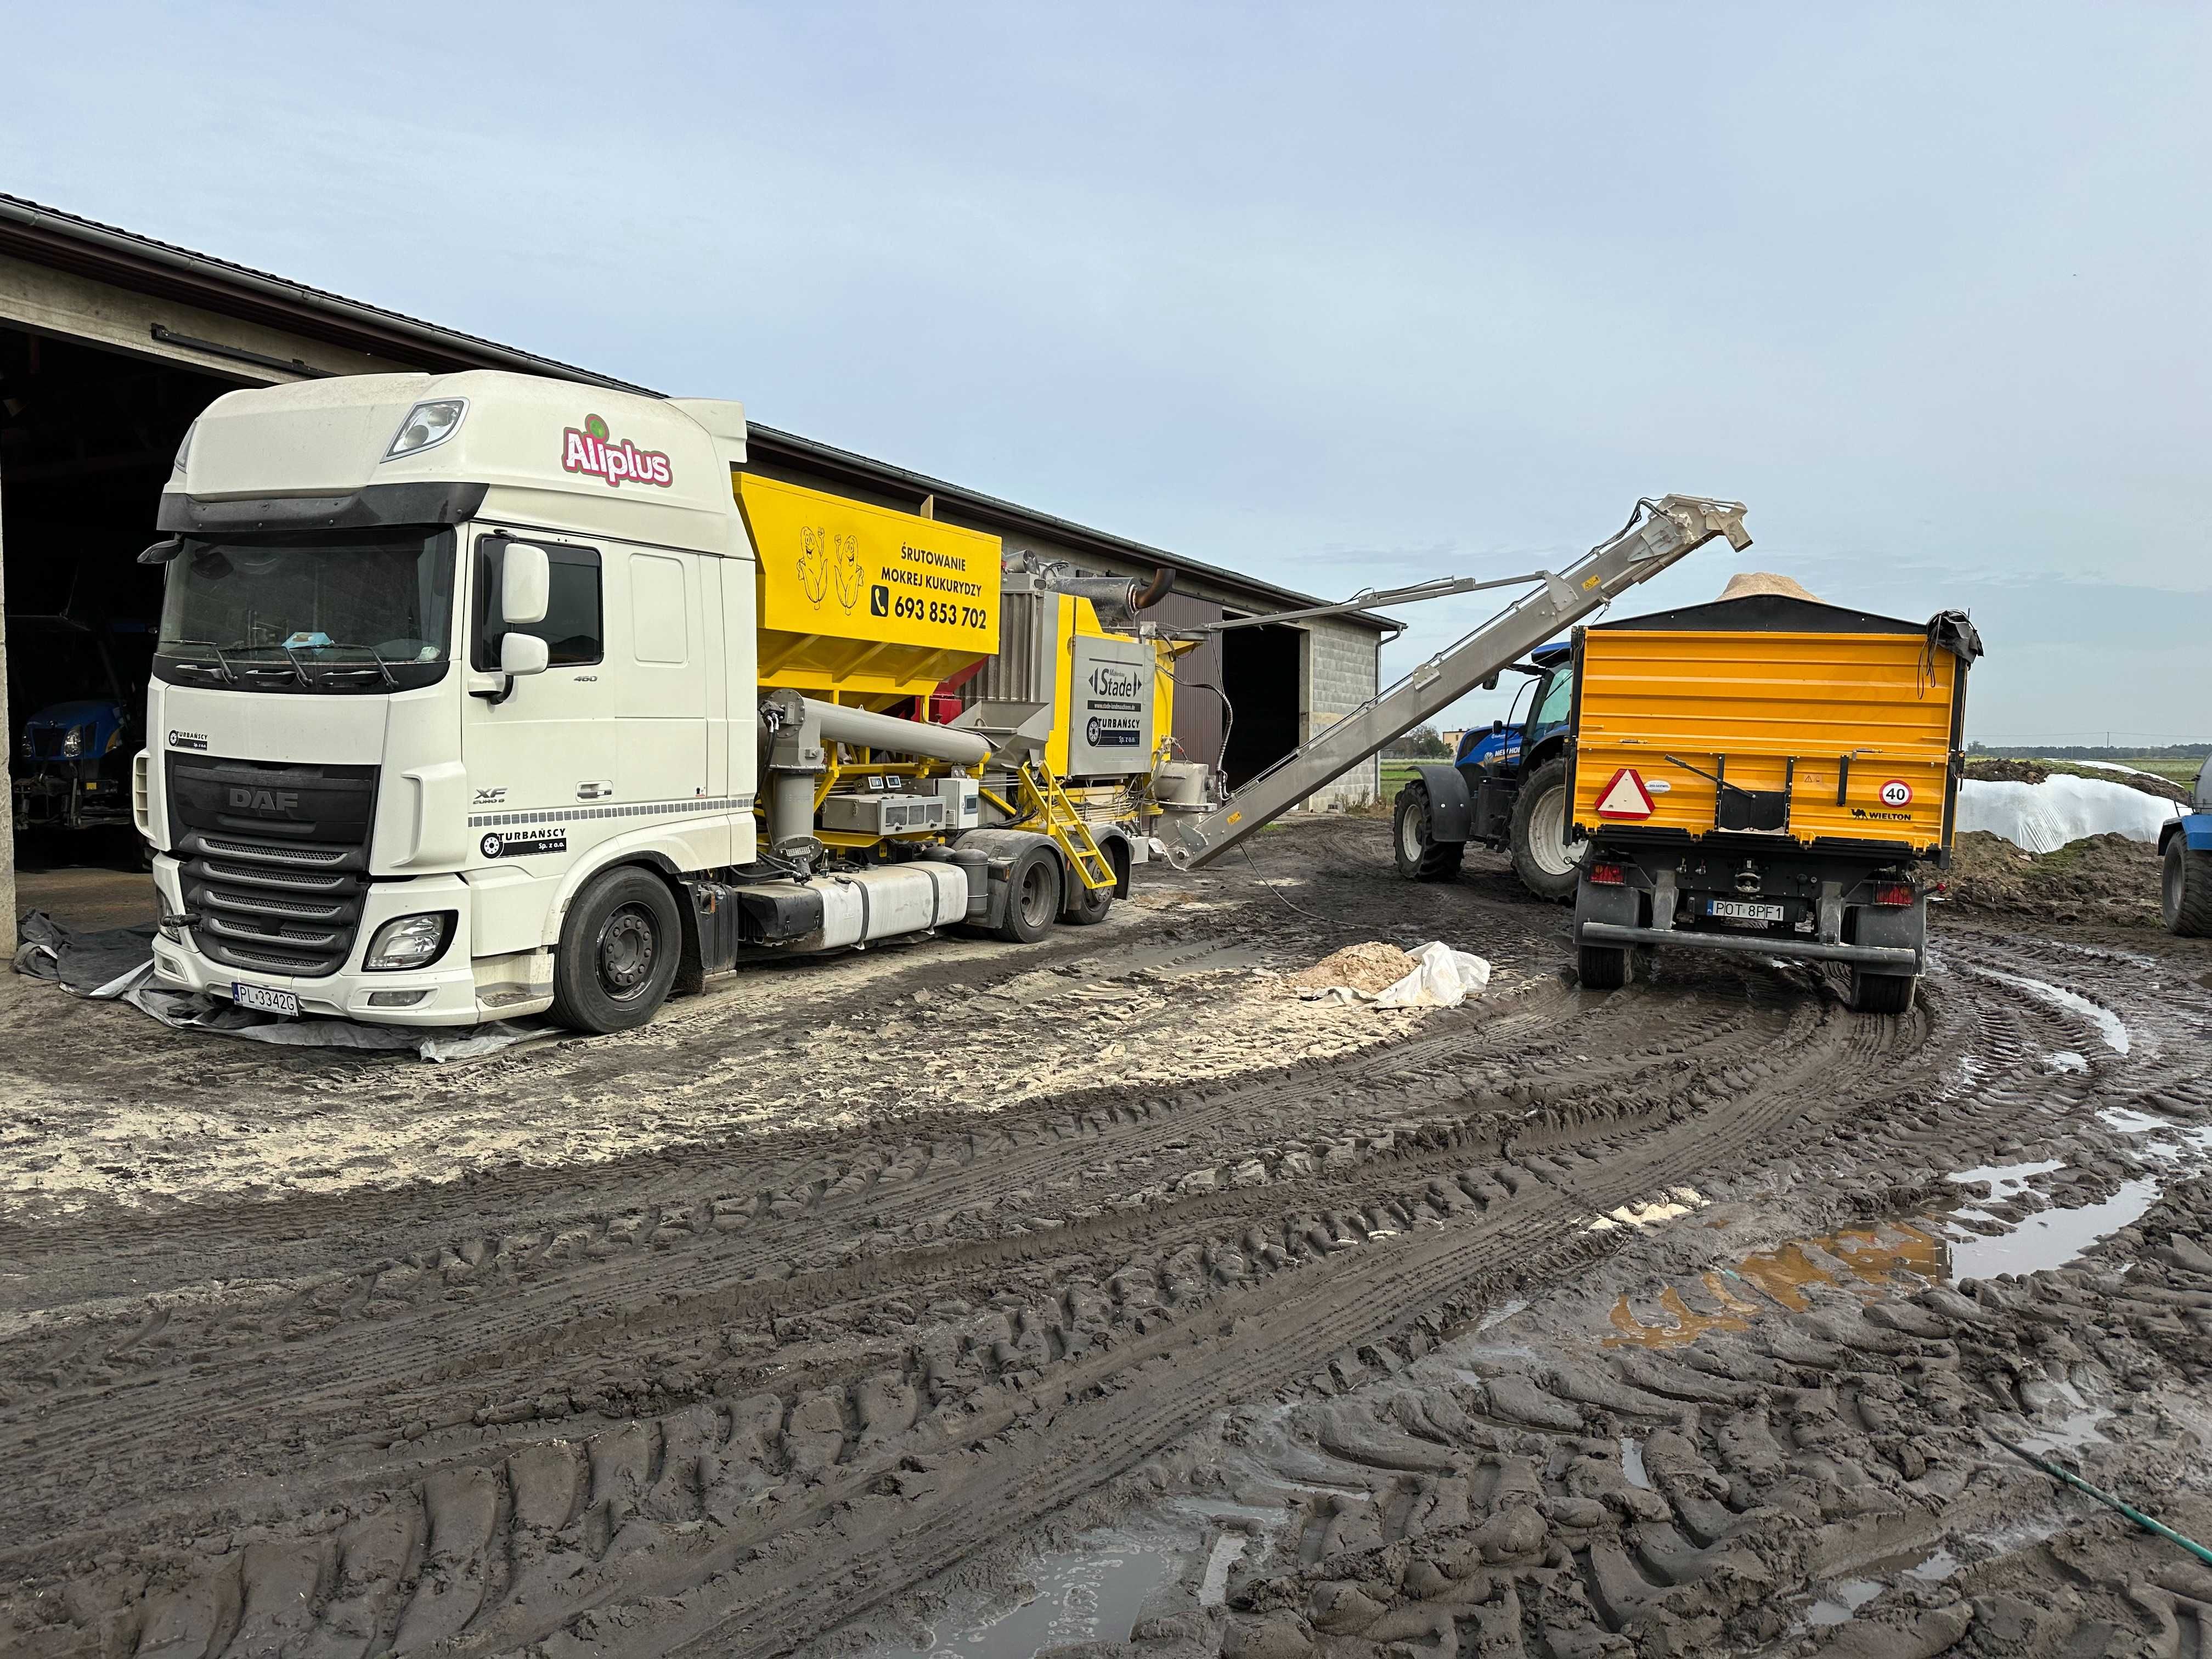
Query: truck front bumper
(1894, 958)
(447, 986)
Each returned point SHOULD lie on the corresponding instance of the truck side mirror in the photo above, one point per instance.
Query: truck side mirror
(525, 589)
(521, 653)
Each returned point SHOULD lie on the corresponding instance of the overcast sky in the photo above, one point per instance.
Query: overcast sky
(1339, 296)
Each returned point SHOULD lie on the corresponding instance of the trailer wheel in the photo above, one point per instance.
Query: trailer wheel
(1419, 858)
(618, 955)
(1602, 967)
(2185, 890)
(1546, 862)
(1882, 994)
(1032, 895)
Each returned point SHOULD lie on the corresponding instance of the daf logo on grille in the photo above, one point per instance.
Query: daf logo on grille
(263, 800)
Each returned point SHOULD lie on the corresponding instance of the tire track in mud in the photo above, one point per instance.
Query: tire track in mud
(1350, 1312)
(1736, 1066)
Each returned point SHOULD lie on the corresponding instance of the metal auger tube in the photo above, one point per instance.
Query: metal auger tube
(1661, 533)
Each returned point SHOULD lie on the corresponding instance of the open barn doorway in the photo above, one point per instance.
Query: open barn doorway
(88, 437)
(1263, 678)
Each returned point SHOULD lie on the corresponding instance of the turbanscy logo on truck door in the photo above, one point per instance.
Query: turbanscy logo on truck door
(588, 449)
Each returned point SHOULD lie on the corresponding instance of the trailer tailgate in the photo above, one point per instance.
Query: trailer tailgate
(1814, 736)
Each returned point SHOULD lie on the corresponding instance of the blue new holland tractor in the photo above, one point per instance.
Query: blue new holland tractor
(1506, 787)
(2186, 848)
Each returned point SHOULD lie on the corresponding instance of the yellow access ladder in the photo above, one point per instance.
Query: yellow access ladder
(1042, 797)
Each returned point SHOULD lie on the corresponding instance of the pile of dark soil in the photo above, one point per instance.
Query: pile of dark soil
(2106, 879)
(1999, 768)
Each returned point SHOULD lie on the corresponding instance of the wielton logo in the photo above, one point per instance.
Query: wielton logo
(243, 800)
(828, 561)
(589, 450)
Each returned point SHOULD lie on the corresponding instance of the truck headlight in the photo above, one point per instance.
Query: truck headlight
(409, 941)
(73, 745)
(426, 424)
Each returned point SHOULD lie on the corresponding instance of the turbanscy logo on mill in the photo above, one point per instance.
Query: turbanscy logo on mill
(588, 449)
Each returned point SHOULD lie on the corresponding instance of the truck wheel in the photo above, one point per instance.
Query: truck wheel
(1882, 994)
(1419, 858)
(1032, 895)
(2186, 890)
(1085, 906)
(619, 949)
(1602, 967)
(1542, 857)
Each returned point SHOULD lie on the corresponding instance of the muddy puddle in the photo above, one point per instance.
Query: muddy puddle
(1870, 1260)
(1093, 1592)
(2053, 1237)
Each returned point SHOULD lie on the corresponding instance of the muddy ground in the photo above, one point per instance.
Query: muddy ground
(853, 1303)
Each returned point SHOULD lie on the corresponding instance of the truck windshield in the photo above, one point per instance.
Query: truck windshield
(342, 611)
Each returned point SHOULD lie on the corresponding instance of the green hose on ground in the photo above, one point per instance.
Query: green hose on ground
(2132, 1513)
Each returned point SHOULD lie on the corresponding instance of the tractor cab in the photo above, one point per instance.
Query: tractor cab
(1539, 712)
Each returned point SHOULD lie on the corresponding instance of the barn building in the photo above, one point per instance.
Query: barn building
(112, 342)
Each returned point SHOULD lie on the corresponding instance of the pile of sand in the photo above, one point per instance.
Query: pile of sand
(1745, 583)
(1370, 967)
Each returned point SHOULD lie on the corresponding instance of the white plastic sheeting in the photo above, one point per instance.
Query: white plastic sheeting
(2042, 818)
(1442, 978)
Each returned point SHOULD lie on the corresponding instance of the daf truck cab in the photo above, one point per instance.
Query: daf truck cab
(458, 709)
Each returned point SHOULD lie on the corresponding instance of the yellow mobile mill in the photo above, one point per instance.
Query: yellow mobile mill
(863, 611)
(1767, 775)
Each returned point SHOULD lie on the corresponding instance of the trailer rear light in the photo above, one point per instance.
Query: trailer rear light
(1893, 892)
(1609, 875)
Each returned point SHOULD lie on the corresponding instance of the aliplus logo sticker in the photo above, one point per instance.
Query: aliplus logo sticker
(589, 450)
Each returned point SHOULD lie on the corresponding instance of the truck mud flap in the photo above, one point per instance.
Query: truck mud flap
(1891, 958)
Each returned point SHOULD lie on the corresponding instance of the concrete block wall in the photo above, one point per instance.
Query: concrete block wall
(1341, 661)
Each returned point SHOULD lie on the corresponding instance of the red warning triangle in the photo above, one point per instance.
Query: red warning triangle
(1626, 797)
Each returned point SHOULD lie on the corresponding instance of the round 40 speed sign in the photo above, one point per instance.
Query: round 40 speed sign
(1897, 793)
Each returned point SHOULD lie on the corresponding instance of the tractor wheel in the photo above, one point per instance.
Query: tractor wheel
(1546, 862)
(2186, 890)
(1419, 857)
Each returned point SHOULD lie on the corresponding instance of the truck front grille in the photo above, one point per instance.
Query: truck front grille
(248, 915)
(270, 905)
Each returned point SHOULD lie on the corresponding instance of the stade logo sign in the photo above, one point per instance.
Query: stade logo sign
(588, 450)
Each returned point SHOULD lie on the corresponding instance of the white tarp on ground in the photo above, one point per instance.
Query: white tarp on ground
(1442, 978)
(2042, 818)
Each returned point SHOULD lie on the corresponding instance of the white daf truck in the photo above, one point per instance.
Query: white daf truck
(466, 687)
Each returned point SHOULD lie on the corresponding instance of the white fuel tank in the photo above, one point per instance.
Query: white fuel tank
(905, 899)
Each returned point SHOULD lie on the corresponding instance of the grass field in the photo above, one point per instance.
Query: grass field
(2182, 770)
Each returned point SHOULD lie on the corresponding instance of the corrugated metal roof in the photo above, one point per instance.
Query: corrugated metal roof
(108, 253)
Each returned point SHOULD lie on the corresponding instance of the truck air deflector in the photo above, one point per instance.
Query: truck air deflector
(373, 508)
